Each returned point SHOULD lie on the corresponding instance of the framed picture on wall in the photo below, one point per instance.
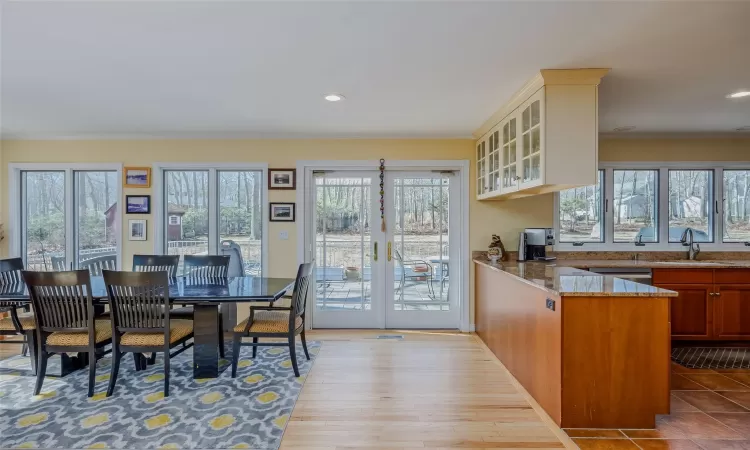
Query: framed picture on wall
(137, 229)
(282, 212)
(137, 204)
(137, 177)
(282, 178)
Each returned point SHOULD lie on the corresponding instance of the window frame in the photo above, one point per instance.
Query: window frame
(158, 202)
(15, 228)
(663, 243)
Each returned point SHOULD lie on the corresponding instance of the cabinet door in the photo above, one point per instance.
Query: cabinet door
(532, 141)
(732, 312)
(493, 161)
(481, 165)
(510, 154)
(691, 312)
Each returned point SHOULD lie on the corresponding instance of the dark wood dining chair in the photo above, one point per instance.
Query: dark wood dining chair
(157, 263)
(15, 324)
(205, 266)
(98, 264)
(209, 266)
(276, 322)
(65, 322)
(141, 320)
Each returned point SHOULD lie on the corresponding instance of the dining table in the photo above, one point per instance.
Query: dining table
(204, 294)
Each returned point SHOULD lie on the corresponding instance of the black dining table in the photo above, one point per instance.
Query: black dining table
(204, 295)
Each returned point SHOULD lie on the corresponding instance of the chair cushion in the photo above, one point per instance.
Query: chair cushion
(26, 319)
(178, 329)
(103, 330)
(269, 322)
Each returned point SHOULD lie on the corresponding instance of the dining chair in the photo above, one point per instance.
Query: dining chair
(65, 323)
(276, 322)
(141, 320)
(205, 266)
(15, 324)
(156, 263)
(96, 265)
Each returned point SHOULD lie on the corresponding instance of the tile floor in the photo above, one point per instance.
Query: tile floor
(710, 411)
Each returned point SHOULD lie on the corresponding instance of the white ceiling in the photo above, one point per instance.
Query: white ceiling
(408, 69)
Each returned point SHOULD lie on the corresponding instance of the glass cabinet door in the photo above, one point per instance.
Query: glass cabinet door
(531, 129)
(509, 178)
(481, 161)
(493, 182)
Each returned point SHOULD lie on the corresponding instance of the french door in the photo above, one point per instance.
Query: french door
(370, 278)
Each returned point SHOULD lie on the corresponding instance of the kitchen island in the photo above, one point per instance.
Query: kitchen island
(593, 350)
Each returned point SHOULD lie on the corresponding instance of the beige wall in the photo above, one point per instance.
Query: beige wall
(505, 218)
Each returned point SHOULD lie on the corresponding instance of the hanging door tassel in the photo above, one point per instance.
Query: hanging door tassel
(382, 195)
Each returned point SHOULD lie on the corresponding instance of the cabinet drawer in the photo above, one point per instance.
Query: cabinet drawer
(682, 276)
(732, 276)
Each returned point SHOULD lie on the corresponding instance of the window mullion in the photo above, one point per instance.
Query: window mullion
(609, 206)
(662, 206)
(719, 206)
(213, 212)
(70, 219)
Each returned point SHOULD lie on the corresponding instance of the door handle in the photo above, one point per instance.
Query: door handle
(389, 251)
(375, 251)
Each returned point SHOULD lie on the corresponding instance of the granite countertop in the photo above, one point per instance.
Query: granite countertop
(561, 279)
(644, 264)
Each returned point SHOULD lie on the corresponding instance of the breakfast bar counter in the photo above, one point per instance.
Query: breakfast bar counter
(593, 350)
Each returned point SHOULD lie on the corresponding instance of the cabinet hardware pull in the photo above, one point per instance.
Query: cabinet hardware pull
(606, 205)
(718, 293)
(711, 294)
(389, 251)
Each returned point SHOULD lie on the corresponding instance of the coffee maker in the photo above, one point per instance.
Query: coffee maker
(533, 242)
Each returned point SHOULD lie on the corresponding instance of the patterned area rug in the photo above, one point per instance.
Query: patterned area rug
(250, 411)
(712, 358)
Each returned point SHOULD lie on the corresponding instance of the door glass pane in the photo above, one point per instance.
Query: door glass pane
(512, 159)
(535, 141)
(240, 215)
(43, 220)
(581, 218)
(535, 113)
(512, 129)
(420, 244)
(526, 119)
(526, 145)
(186, 211)
(343, 248)
(736, 206)
(635, 206)
(691, 204)
(526, 170)
(97, 218)
(535, 167)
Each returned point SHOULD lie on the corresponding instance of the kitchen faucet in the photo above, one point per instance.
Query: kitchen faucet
(687, 240)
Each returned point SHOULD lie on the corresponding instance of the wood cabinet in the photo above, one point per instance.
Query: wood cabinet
(544, 139)
(713, 304)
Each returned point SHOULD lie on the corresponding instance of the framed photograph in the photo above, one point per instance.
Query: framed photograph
(137, 229)
(282, 212)
(137, 177)
(137, 204)
(282, 178)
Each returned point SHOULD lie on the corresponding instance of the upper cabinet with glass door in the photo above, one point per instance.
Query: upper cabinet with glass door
(546, 137)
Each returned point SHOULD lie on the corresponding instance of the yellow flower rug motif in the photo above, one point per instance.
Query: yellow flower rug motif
(250, 411)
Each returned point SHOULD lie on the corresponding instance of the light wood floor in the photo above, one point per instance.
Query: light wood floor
(430, 390)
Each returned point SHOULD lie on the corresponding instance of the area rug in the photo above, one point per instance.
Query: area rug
(712, 357)
(250, 411)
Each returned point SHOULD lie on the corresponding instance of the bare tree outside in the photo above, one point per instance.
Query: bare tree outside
(581, 218)
(736, 206)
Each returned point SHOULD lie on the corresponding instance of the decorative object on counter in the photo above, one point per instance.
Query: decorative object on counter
(282, 179)
(137, 177)
(137, 204)
(137, 229)
(282, 212)
(493, 254)
(498, 244)
(382, 195)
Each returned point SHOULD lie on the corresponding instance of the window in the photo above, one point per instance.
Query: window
(736, 206)
(580, 213)
(691, 204)
(67, 218)
(635, 206)
(206, 206)
(642, 207)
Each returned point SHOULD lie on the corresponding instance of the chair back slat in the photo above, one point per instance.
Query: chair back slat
(61, 300)
(156, 263)
(10, 271)
(301, 285)
(100, 263)
(206, 266)
(139, 301)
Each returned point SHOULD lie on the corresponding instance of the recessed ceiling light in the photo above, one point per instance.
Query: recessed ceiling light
(620, 129)
(739, 94)
(334, 97)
